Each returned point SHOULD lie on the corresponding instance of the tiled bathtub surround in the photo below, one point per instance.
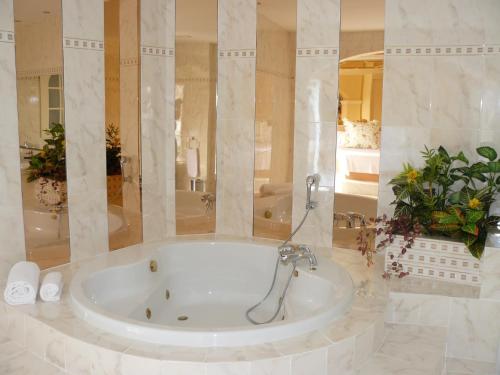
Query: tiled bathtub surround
(11, 212)
(53, 333)
(316, 94)
(236, 116)
(83, 34)
(158, 118)
(441, 81)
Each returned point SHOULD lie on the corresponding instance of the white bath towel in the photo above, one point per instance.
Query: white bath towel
(51, 288)
(22, 284)
(193, 162)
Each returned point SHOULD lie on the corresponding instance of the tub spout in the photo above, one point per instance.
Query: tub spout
(295, 253)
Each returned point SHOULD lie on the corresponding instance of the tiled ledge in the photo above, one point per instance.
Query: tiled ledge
(53, 333)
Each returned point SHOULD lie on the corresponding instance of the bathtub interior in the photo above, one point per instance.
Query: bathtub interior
(192, 289)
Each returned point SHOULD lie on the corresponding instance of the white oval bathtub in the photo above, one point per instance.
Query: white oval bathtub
(209, 286)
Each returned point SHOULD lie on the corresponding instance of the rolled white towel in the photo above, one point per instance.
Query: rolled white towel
(22, 284)
(51, 288)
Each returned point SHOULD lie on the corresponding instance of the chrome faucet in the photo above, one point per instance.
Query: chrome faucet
(294, 253)
(311, 180)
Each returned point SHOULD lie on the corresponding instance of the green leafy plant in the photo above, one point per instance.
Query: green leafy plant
(51, 161)
(448, 196)
(113, 150)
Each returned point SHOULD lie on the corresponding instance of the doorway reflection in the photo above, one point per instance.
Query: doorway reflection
(195, 115)
(40, 98)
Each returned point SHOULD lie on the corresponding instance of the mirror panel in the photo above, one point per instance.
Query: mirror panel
(122, 92)
(195, 115)
(274, 118)
(359, 122)
(40, 98)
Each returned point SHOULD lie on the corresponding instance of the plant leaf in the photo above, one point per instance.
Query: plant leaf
(487, 152)
(474, 216)
(471, 228)
(494, 166)
(447, 228)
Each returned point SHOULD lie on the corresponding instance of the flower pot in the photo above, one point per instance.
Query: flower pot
(435, 258)
(50, 192)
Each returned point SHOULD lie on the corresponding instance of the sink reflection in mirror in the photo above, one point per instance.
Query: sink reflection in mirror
(274, 118)
(195, 115)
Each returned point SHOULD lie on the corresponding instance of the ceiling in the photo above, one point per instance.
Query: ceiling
(197, 19)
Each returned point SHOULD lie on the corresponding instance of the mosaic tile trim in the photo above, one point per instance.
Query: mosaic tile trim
(442, 50)
(129, 62)
(237, 53)
(87, 44)
(30, 74)
(317, 52)
(7, 36)
(157, 51)
(443, 260)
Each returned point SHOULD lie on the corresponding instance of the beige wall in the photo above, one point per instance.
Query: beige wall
(353, 43)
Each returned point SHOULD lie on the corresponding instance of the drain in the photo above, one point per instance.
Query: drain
(296, 273)
(313, 268)
(153, 266)
(182, 317)
(167, 294)
(148, 313)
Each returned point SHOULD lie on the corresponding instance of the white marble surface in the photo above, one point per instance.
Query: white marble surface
(318, 23)
(12, 229)
(237, 24)
(158, 121)
(85, 151)
(490, 274)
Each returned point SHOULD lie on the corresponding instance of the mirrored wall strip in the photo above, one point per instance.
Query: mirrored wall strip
(97, 45)
(442, 50)
(27, 74)
(7, 36)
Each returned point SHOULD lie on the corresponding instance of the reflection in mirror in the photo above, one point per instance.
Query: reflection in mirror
(40, 99)
(195, 115)
(274, 119)
(121, 51)
(359, 121)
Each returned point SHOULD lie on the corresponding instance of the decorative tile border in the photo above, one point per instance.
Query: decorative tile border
(237, 53)
(157, 51)
(129, 62)
(442, 50)
(7, 36)
(30, 74)
(96, 45)
(317, 52)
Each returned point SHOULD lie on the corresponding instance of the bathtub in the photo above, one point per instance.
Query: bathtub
(43, 228)
(200, 292)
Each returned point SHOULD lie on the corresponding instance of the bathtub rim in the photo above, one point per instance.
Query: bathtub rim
(193, 337)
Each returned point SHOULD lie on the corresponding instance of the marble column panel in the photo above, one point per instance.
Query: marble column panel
(158, 118)
(236, 116)
(316, 103)
(12, 245)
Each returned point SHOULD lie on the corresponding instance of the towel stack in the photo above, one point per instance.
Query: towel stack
(23, 282)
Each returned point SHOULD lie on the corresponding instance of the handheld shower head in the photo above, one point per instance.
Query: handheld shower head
(311, 180)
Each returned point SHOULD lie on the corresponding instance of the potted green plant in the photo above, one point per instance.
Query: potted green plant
(447, 198)
(48, 168)
(113, 164)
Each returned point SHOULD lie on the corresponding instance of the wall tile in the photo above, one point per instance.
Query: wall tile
(11, 213)
(318, 23)
(474, 331)
(316, 90)
(310, 363)
(281, 366)
(85, 151)
(158, 147)
(490, 113)
(341, 358)
(158, 23)
(183, 368)
(237, 23)
(490, 273)
(232, 368)
(407, 22)
(490, 11)
(83, 19)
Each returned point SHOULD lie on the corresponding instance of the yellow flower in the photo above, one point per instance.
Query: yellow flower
(411, 176)
(474, 203)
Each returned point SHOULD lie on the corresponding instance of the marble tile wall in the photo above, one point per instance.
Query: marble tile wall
(11, 212)
(441, 81)
(236, 116)
(83, 39)
(316, 93)
(158, 118)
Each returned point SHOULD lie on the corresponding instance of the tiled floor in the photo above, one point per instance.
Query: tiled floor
(419, 350)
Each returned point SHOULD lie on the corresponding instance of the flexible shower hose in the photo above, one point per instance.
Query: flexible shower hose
(282, 297)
